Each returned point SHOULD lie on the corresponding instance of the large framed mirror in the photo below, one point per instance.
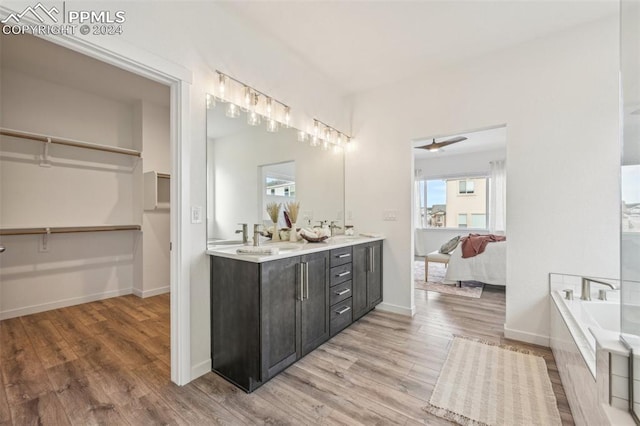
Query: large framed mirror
(247, 167)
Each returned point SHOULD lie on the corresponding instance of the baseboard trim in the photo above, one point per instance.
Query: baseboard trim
(524, 336)
(152, 292)
(34, 309)
(200, 369)
(397, 309)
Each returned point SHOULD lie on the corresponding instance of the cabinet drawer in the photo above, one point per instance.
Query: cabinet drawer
(340, 292)
(341, 256)
(340, 274)
(341, 316)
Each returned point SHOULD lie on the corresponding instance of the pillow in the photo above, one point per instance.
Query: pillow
(450, 245)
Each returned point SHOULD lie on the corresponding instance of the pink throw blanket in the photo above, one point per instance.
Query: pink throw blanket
(474, 244)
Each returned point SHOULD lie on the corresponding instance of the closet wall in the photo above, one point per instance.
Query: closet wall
(74, 187)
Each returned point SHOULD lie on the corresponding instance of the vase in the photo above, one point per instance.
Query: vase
(276, 235)
(293, 235)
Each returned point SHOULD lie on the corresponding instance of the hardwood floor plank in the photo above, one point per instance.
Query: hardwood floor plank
(5, 411)
(23, 376)
(44, 409)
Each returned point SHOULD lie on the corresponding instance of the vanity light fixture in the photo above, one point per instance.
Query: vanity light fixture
(316, 129)
(247, 98)
(272, 125)
(302, 136)
(221, 86)
(331, 135)
(287, 117)
(253, 118)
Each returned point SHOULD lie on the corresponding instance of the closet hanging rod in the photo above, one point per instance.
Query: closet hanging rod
(68, 229)
(68, 142)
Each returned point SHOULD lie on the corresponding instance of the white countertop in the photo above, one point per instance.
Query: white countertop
(289, 249)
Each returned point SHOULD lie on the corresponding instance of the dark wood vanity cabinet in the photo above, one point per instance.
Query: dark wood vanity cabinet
(265, 316)
(367, 277)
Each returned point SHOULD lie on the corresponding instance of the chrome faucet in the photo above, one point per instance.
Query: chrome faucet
(333, 227)
(256, 234)
(245, 233)
(586, 287)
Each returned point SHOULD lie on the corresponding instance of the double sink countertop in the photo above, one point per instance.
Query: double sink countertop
(287, 248)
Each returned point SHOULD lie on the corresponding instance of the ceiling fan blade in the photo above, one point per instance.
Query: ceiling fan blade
(437, 145)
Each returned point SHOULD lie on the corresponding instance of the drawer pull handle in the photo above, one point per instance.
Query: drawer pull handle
(343, 310)
(344, 274)
(344, 255)
(345, 291)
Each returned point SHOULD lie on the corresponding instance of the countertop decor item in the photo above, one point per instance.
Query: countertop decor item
(314, 239)
(291, 210)
(273, 209)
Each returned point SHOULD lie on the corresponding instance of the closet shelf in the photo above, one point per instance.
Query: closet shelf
(67, 230)
(68, 142)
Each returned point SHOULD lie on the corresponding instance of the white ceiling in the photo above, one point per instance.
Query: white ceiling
(359, 45)
(477, 141)
(44, 60)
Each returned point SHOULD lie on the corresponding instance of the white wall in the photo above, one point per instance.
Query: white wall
(428, 240)
(155, 135)
(558, 97)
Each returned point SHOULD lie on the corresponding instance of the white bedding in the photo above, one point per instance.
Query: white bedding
(490, 267)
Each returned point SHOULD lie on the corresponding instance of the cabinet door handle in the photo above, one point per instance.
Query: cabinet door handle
(372, 259)
(343, 310)
(301, 267)
(340, 293)
(306, 278)
(344, 274)
(342, 256)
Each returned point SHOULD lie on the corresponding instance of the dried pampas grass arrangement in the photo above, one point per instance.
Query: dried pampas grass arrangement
(273, 209)
(292, 208)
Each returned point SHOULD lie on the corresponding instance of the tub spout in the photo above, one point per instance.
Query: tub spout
(586, 287)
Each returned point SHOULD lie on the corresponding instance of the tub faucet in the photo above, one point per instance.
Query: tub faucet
(245, 233)
(586, 287)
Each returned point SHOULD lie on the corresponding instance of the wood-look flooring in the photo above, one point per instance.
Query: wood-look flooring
(107, 362)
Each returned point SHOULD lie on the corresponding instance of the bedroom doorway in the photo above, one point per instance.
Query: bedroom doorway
(459, 188)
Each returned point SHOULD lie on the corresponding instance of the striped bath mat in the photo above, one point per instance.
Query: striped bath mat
(485, 384)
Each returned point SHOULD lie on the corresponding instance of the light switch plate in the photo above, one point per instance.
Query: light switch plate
(196, 214)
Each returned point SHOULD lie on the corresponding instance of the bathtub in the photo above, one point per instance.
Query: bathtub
(583, 317)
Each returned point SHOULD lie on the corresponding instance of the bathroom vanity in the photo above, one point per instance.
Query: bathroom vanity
(268, 311)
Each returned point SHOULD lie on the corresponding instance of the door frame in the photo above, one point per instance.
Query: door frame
(125, 56)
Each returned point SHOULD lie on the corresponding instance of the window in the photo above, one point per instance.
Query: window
(478, 220)
(465, 187)
(440, 204)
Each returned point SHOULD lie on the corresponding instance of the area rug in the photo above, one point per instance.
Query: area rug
(436, 281)
(488, 384)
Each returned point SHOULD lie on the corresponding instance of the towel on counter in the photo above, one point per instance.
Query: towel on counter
(258, 250)
(475, 244)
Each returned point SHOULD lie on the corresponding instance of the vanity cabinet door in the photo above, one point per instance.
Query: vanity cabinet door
(315, 303)
(359, 283)
(374, 275)
(367, 277)
(280, 306)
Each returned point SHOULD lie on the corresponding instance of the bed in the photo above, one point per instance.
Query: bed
(489, 267)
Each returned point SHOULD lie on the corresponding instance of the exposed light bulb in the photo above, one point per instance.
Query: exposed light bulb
(325, 145)
(287, 116)
(316, 129)
(253, 118)
(233, 110)
(328, 134)
(221, 86)
(269, 107)
(247, 98)
(339, 139)
(302, 136)
(314, 141)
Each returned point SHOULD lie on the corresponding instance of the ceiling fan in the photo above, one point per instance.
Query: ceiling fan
(435, 146)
